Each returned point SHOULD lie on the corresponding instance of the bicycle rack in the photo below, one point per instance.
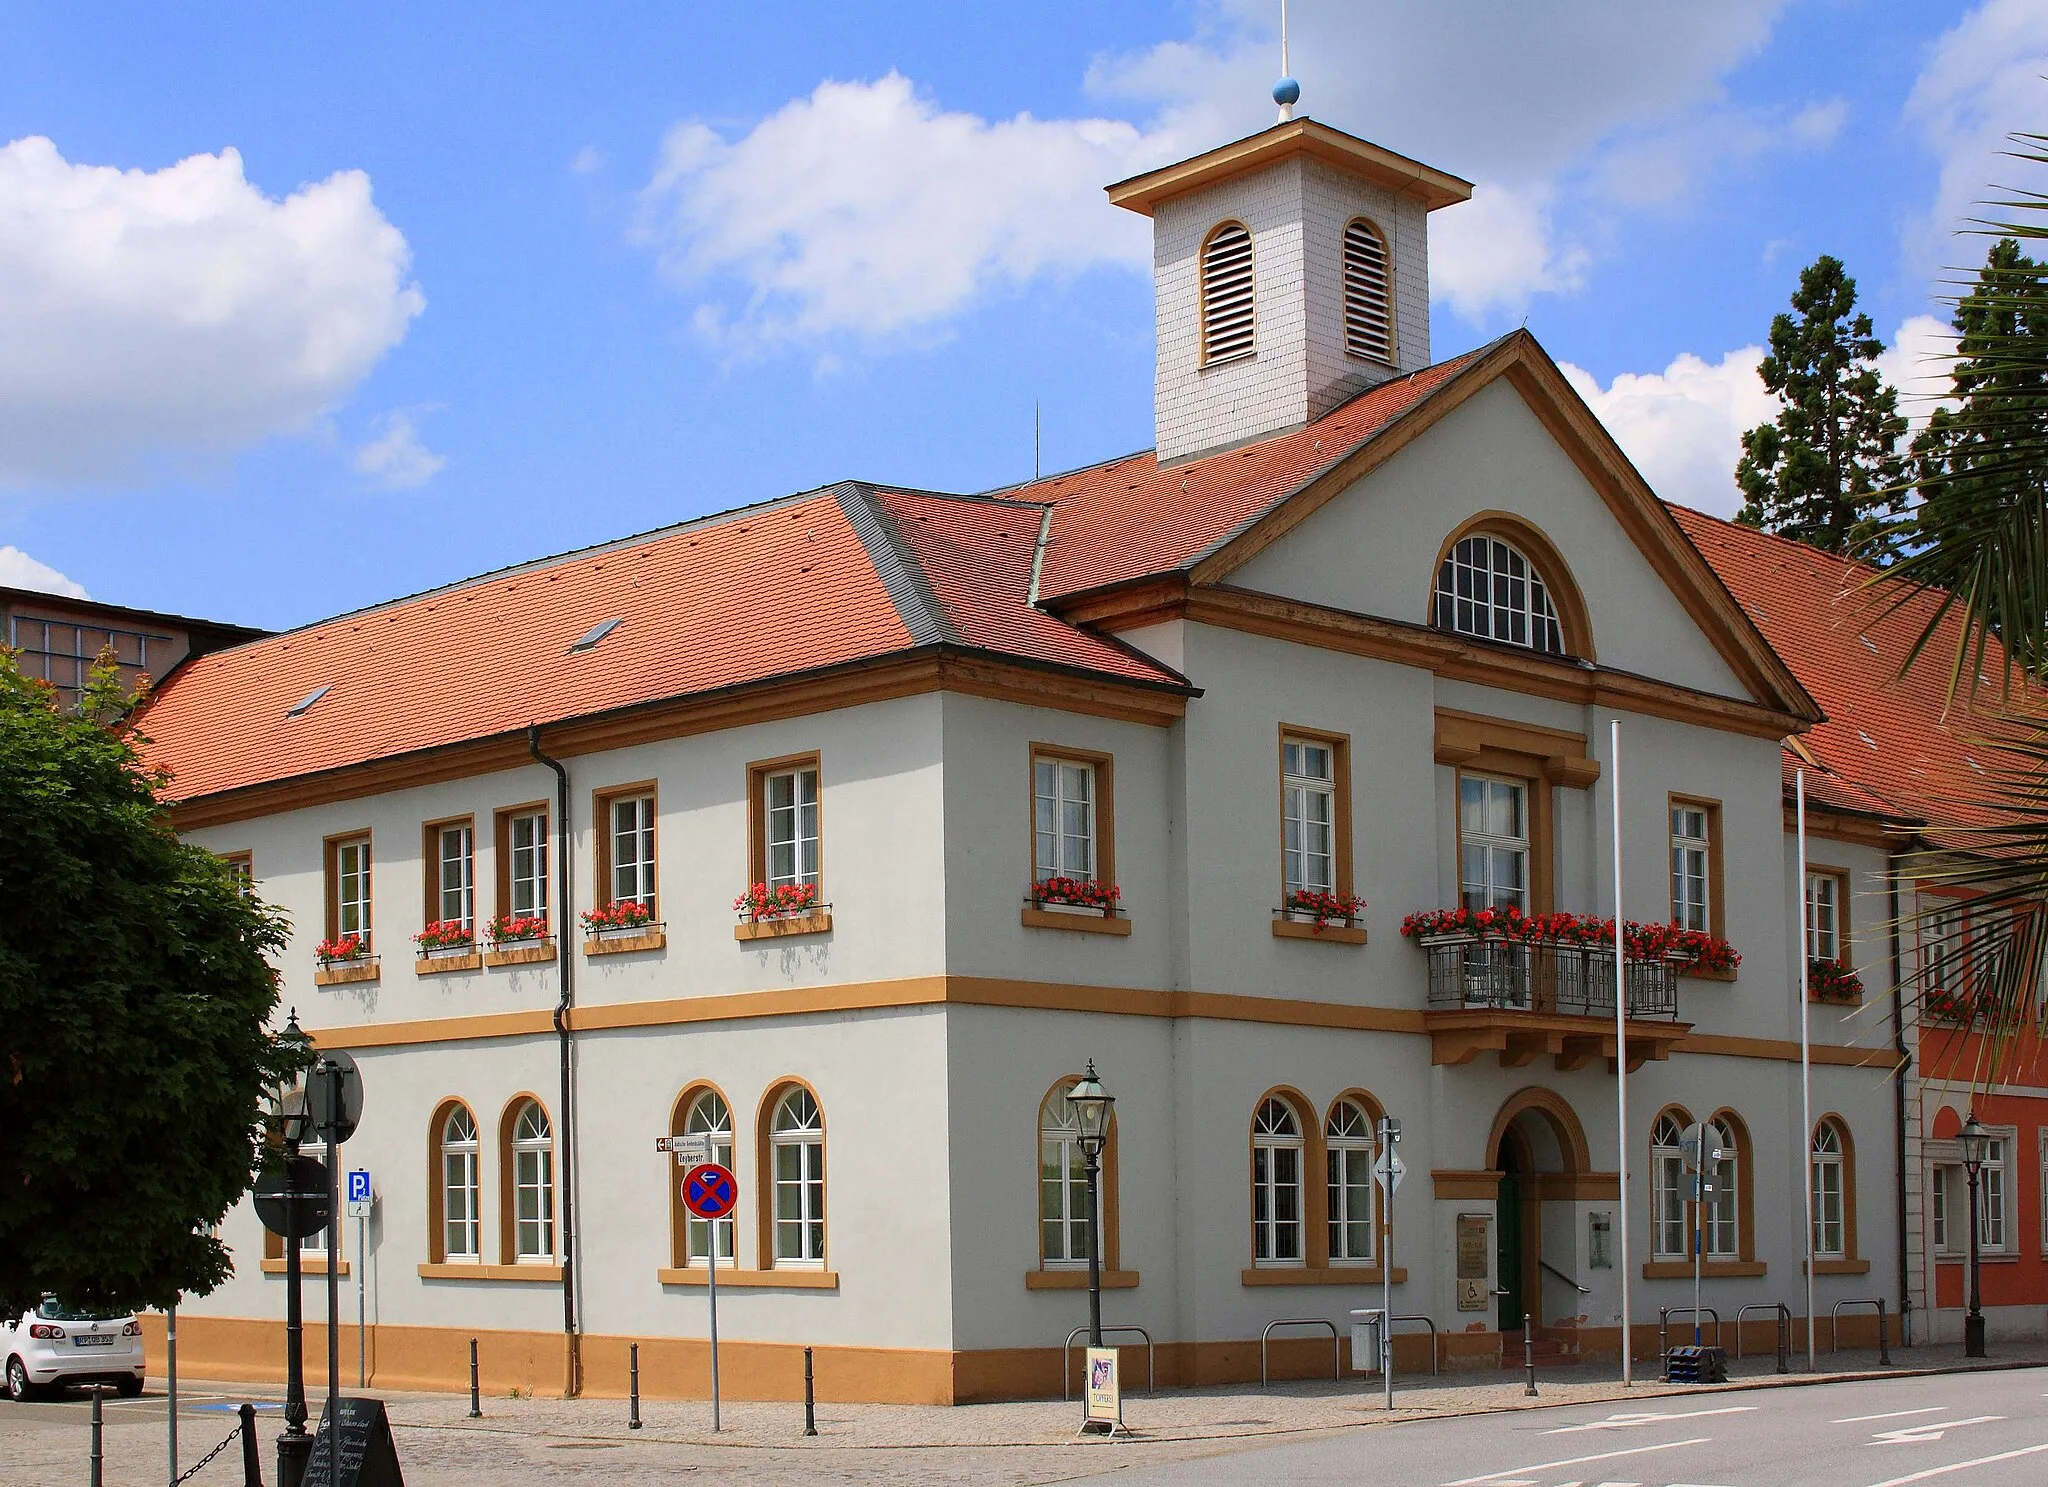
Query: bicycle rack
(1884, 1353)
(1336, 1346)
(1067, 1353)
(1664, 1316)
(1784, 1329)
(1435, 1351)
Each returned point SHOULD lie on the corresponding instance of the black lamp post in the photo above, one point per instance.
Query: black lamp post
(1091, 1104)
(1976, 1144)
(295, 1446)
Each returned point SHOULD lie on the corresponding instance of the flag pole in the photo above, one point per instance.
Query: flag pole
(1621, 1053)
(1805, 1059)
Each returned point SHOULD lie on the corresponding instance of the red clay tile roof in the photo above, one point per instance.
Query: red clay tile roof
(1131, 519)
(815, 581)
(1891, 746)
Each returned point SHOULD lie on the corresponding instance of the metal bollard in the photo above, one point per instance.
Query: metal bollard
(633, 1418)
(1529, 1355)
(1784, 1340)
(475, 1404)
(1884, 1353)
(810, 1398)
(98, 1455)
(252, 1463)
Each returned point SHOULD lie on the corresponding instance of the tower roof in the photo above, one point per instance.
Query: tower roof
(1346, 152)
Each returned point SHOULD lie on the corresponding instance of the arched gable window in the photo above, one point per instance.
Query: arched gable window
(1487, 588)
(1668, 1186)
(1278, 1225)
(1832, 1187)
(460, 1225)
(796, 1163)
(529, 1166)
(1348, 1142)
(702, 1111)
(1368, 294)
(1228, 330)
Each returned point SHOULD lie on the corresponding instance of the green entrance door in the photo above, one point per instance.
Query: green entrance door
(1507, 1227)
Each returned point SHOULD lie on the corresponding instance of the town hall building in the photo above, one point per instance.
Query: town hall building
(850, 827)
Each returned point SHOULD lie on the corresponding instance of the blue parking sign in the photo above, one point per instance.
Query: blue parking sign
(358, 1186)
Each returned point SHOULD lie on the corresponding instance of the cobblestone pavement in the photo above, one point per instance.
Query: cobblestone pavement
(548, 1440)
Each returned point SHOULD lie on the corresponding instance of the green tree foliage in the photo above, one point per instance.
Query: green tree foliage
(1825, 471)
(134, 993)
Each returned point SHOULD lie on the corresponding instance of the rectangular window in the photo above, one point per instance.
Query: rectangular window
(1827, 928)
(314, 1246)
(1939, 1178)
(1493, 842)
(1722, 1219)
(1941, 950)
(784, 835)
(451, 895)
(1991, 1191)
(799, 1200)
(628, 868)
(1308, 815)
(1828, 1222)
(1276, 1204)
(524, 846)
(1063, 794)
(1692, 846)
(1669, 1186)
(348, 887)
(461, 1229)
(241, 867)
(1062, 1199)
(1350, 1200)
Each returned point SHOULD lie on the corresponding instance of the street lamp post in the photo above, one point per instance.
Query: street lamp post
(294, 1447)
(1976, 1144)
(1092, 1104)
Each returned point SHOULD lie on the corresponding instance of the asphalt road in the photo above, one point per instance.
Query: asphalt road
(1956, 1430)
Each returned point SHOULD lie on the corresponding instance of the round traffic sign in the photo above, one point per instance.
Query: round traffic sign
(291, 1197)
(334, 1094)
(710, 1191)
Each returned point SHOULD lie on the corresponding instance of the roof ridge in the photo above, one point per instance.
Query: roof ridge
(908, 585)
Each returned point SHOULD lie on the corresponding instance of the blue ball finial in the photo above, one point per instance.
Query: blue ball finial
(1287, 92)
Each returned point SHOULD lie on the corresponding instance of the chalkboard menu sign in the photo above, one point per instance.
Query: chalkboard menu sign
(367, 1456)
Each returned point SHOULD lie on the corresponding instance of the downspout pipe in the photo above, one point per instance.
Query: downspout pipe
(1893, 859)
(566, 961)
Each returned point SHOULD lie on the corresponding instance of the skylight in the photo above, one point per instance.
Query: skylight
(595, 633)
(304, 704)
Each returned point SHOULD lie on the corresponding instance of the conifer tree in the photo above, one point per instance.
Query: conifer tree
(1825, 472)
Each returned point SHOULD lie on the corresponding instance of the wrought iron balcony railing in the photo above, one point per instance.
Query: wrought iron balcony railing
(1545, 976)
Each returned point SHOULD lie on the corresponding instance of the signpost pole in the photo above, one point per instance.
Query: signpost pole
(1699, 1214)
(1387, 1172)
(711, 1289)
(362, 1297)
(331, 1130)
(171, 1391)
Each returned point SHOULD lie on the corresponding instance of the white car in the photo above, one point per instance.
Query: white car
(55, 1345)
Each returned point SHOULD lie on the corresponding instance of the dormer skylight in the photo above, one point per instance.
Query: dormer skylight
(597, 632)
(304, 705)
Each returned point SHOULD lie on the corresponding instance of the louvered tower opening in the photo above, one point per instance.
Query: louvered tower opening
(1368, 301)
(1227, 328)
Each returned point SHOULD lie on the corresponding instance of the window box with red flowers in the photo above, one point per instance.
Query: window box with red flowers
(1313, 913)
(446, 939)
(621, 925)
(1833, 981)
(1079, 904)
(786, 909)
(343, 959)
(518, 939)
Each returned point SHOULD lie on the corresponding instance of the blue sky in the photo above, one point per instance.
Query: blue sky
(478, 285)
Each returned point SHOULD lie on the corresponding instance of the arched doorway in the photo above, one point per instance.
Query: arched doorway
(1536, 1145)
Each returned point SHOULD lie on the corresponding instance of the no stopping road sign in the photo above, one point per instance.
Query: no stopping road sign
(710, 1191)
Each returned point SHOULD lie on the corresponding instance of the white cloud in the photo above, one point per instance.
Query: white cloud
(20, 571)
(865, 208)
(1662, 167)
(1983, 81)
(180, 310)
(587, 160)
(394, 458)
(1683, 426)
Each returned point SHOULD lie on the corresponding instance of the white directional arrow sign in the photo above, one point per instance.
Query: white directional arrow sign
(1389, 1169)
(1920, 1435)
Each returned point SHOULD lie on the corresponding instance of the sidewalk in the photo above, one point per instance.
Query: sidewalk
(545, 1440)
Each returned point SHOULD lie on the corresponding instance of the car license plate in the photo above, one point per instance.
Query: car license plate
(94, 1340)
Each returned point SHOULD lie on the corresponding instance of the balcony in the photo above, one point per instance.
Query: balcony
(1524, 1000)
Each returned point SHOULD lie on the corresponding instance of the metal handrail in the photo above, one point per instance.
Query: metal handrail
(1544, 976)
(1067, 1353)
(1784, 1329)
(1336, 1347)
(1664, 1316)
(1568, 1280)
(1884, 1354)
(1372, 1319)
